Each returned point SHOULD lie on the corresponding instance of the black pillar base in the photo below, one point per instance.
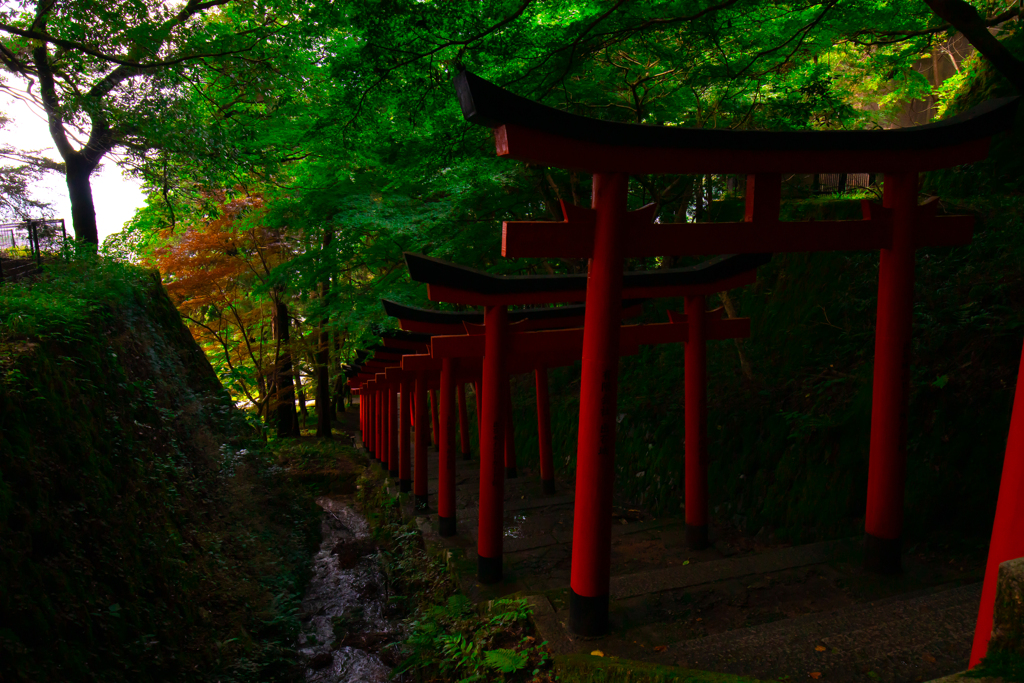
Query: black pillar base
(404, 485)
(467, 456)
(510, 473)
(883, 555)
(446, 525)
(588, 616)
(422, 503)
(393, 474)
(697, 537)
(488, 569)
(549, 485)
(383, 464)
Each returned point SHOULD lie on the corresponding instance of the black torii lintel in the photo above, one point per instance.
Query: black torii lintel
(437, 272)
(539, 134)
(490, 105)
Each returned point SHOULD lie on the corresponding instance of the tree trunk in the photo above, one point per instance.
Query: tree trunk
(965, 18)
(285, 399)
(323, 375)
(83, 211)
(300, 391)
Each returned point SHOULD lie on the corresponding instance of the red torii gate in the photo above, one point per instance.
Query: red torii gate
(455, 323)
(527, 131)
(380, 417)
(461, 285)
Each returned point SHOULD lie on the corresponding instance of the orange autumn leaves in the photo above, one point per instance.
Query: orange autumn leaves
(212, 270)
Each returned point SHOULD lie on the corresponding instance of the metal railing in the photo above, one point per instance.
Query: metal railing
(25, 242)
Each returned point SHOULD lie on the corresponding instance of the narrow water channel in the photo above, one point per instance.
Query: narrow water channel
(344, 610)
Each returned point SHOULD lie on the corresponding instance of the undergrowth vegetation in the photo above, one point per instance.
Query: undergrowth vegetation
(145, 534)
(449, 638)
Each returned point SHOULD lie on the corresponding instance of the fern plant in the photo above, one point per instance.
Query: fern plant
(505, 660)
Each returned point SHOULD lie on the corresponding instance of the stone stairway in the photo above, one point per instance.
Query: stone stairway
(910, 637)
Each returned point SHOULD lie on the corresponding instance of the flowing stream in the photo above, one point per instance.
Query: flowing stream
(344, 611)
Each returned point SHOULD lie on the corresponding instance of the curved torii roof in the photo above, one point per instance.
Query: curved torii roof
(539, 134)
(461, 284)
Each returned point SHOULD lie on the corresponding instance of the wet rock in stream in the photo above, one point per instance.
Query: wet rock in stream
(346, 630)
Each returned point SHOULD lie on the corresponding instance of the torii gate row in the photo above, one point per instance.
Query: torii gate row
(471, 370)
(592, 520)
(531, 132)
(379, 417)
(435, 322)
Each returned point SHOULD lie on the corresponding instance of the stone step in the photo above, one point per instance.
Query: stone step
(902, 638)
(672, 578)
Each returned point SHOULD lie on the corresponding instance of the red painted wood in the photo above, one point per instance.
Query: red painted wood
(380, 438)
(421, 363)
(696, 411)
(510, 430)
(404, 344)
(457, 296)
(702, 239)
(544, 149)
(392, 458)
(368, 436)
(1008, 530)
(479, 407)
(446, 441)
(887, 460)
(463, 420)
(492, 435)
(378, 394)
(419, 472)
(434, 416)
(534, 237)
(595, 459)
(547, 467)
(404, 461)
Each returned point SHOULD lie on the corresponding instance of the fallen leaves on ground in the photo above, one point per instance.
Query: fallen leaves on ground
(928, 658)
(597, 653)
(815, 675)
(660, 648)
(820, 648)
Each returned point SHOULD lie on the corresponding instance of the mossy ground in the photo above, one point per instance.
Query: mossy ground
(145, 534)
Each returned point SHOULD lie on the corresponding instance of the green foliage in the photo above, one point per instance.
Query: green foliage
(457, 643)
(1003, 664)
(449, 638)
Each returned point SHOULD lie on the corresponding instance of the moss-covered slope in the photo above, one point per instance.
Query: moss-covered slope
(141, 538)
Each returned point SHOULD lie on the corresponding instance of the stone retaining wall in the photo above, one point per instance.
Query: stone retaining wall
(1008, 617)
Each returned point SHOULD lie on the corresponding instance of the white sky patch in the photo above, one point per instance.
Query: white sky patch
(116, 198)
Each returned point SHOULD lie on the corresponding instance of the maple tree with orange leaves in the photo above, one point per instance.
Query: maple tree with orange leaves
(218, 273)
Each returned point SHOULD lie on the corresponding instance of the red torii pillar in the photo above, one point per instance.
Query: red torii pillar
(595, 456)
(372, 422)
(422, 437)
(392, 460)
(887, 464)
(382, 434)
(463, 421)
(1008, 530)
(547, 467)
(434, 417)
(404, 461)
(446, 451)
(492, 440)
